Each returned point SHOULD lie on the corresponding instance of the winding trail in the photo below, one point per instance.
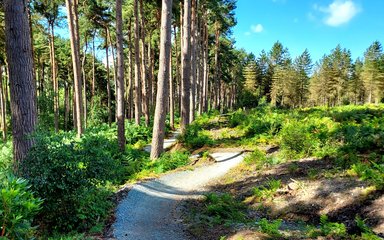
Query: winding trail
(150, 210)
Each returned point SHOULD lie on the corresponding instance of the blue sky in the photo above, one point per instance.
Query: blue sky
(318, 25)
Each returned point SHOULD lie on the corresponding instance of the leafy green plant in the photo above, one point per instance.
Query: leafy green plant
(270, 227)
(257, 157)
(68, 173)
(267, 191)
(18, 206)
(170, 160)
(135, 133)
(6, 157)
(223, 209)
(332, 229)
(194, 137)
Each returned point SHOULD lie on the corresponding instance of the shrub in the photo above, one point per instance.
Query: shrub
(332, 229)
(68, 173)
(223, 209)
(270, 227)
(267, 191)
(194, 137)
(6, 157)
(170, 160)
(18, 206)
(135, 133)
(257, 157)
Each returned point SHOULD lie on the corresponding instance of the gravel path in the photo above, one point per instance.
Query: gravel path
(150, 209)
(168, 143)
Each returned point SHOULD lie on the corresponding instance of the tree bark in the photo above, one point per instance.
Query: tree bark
(186, 66)
(163, 80)
(193, 63)
(137, 65)
(93, 68)
(75, 51)
(66, 105)
(120, 77)
(2, 107)
(171, 91)
(144, 67)
(109, 104)
(54, 78)
(22, 86)
(216, 102)
(84, 80)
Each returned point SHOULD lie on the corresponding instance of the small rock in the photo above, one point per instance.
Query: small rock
(293, 186)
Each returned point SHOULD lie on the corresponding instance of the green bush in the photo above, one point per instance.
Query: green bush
(332, 229)
(257, 157)
(18, 206)
(308, 137)
(135, 133)
(267, 191)
(223, 209)
(270, 227)
(6, 157)
(68, 173)
(194, 137)
(170, 160)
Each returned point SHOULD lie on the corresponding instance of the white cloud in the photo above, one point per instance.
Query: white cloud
(258, 28)
(339, 12)
(247, 33)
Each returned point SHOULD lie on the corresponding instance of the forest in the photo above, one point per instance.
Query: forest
(88, 86)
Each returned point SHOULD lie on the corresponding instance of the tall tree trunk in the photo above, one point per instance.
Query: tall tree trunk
(216, 103)
(177, 71)
(186, 66)
(201, 64)
(206, 69)
(144, 67)
(171, 90)
(54, 78)
(193, 63)
(2, 107)
(93, 68)
(120, 77)
(75, 51)
(137, 65)
(108, 83)
(150, 73)
(84, 79)
(163, 80)
(22, 85)
(131, 67)
(66, 105)
(171, 95)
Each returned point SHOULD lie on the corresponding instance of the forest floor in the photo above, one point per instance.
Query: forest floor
(285, 200)
(151, 209)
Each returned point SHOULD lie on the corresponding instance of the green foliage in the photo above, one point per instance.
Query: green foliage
(6, 157)
(135, 133)
(18, 206)
(237, 118)
(194, 138)
(332, 229)
(69, 174)
(169, 161)
(270, 227)
(267, 191)
(257, 157)
(223, 209)
(308, 137)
